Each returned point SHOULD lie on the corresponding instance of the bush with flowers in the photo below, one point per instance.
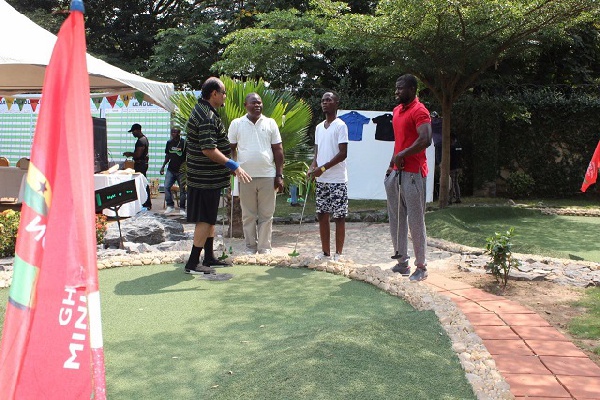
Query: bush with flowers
(9, 226)
(101, 225)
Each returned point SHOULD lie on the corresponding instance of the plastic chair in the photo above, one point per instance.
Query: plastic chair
(23, 163)
(4, 162)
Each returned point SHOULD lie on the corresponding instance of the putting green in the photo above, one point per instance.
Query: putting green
(268, 333)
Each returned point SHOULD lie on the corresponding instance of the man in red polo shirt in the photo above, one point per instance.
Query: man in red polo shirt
(406, 178)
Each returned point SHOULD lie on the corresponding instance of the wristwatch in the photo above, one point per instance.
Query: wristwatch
(279, 176)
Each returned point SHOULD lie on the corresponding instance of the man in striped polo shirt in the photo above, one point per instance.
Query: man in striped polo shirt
(208, 171)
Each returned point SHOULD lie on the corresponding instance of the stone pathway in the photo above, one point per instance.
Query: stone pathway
(535, 359)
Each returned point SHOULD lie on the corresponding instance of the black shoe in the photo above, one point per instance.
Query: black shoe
(215, 262)
(403, 270)
(458, 201)
(420, 274)
(200, 270)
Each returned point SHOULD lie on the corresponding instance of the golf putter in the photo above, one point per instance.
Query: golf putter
(223, 254)
(231, 223)
(397, 256)
(295, 253)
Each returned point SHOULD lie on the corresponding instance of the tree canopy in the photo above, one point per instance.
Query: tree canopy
(452, 46)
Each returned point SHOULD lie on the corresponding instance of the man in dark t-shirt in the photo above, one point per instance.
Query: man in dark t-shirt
(140, 157)
(175, 157)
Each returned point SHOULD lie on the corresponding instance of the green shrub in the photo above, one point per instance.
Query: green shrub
(9, 225)
(520, 185)
(524, 126)
(499, 248)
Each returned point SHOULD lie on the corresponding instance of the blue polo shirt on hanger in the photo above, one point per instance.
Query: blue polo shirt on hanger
(355, 122)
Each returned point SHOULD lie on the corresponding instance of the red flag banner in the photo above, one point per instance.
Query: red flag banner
(592, 172)
(112, 100)
(52, 339)
(34, 103)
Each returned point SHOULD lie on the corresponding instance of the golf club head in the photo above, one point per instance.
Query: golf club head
(397, 256)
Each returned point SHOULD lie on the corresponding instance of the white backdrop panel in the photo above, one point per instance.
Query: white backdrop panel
(368, 160)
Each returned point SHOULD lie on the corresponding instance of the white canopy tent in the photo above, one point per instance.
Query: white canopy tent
(25, 54)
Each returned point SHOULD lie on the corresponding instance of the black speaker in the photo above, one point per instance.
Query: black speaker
(100, 145)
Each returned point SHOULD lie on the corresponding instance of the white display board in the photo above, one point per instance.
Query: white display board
(368, 160)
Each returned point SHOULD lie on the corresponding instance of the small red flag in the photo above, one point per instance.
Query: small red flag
(52, 337)
(34, 103)
(112, 100)
(592, 171)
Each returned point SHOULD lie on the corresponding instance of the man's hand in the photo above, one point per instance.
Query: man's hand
(399, 161)
(309, 173)
(315, 173)
(279, 184)
(162, 171)
(242, 175)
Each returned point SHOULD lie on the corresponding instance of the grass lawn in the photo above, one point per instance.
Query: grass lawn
(587, 326)
(535, 233)
(268, 333)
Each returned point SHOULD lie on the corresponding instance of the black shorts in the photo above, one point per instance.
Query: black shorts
(203, 205)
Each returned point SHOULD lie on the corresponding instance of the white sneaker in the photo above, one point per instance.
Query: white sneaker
(339, 257)
(264, 251)
(321, 257)
(183, 212)
(169, 210)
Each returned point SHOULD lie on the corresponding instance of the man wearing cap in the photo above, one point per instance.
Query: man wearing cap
(140, 157)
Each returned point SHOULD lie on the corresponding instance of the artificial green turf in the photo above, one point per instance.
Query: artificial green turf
(535, 233)
(587, 326)
(268, 333)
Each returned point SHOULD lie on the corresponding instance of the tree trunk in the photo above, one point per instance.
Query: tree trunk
(235, 226)
(445, 165)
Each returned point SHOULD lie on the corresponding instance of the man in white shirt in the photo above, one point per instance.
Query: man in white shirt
(256, 142)
(329, 170)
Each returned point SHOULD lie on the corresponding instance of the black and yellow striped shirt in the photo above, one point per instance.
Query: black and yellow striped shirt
(205, 130)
